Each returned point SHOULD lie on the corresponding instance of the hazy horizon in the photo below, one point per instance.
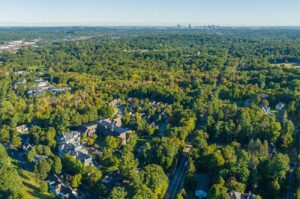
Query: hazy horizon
(149, 13)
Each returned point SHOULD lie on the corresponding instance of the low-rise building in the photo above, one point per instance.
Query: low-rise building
(238, 195)
(280, 106)
(58, 188)
(266, 110)
(107, 128)
(88, 129)
(40, 82)
(72, 137)
(19, 82)
(22, 129)
(69, 143)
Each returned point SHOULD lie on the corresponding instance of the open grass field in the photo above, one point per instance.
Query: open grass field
(30, 187)
(288, 65)
(38, 68)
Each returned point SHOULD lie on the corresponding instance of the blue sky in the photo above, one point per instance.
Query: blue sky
(150, 12)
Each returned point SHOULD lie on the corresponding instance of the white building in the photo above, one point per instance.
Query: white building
(280, 106)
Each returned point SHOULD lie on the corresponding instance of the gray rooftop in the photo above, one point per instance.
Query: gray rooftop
(105, 126)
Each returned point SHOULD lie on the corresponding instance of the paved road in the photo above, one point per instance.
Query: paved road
(177, 181)
(291, 178)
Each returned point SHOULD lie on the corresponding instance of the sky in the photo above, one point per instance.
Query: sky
(150, 12)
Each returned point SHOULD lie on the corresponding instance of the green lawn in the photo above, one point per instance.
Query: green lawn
(31, 186)
(288, 65)
(36, 68)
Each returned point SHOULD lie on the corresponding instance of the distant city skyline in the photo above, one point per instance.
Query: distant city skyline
(149, 12)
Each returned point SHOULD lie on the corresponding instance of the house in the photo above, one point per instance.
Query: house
(59, 90)
(266, 110)
(77, 151)
(114, 102)
(21, 81)
(263, 96)
(69, 143)
(37, 158)
(117, 121)
(22, 129)
(39, 79)
(58, 188)
(21, 72)
(107, 128)
(88, 129)
(27, 147)
(83, 155)
(65, 148)
(72, 137)
(280, 106)
(237, 195)
(40, 82)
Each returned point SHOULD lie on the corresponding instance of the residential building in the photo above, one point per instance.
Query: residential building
(72, 137)
(27, 147)
(22, 129)
(21, 81)
(69, 143)
(280, 106)
(266, 110)
(88, 129)
(58, 188)
(106, 128)
(117, 121)
(40, 82)
(237, 195)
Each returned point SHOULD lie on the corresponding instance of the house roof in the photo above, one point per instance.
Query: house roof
(71, 135)
(58, 187)
(22, 128)
(87, 127)
(238, 195)
(108, 128)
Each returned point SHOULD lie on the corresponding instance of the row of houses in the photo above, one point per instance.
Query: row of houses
(44, 86)
(40, 86)
(15, 45)
(232, 195)
(70, 143)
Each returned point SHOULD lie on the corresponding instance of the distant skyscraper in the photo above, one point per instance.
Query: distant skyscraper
(190, 26)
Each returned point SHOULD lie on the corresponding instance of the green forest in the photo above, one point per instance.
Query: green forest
(212, 111)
